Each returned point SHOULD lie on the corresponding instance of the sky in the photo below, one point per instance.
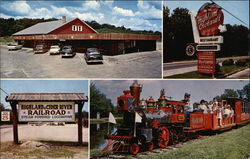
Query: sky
(199, 89)
(238, 8)
(137, 15)
(43, 86)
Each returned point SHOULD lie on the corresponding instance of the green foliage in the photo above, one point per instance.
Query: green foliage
(228, 62)
(241, 93)
(11, 26)
(99, 103)
(178, 32)
(241, 62)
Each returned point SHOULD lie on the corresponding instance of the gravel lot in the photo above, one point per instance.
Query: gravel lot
(25, 64)
(69, 133)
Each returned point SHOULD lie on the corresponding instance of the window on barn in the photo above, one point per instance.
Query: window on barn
(74, 28)
(79, 28)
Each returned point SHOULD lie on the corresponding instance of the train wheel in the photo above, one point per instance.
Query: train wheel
(134, 149)
(150, 146)
(163, 137)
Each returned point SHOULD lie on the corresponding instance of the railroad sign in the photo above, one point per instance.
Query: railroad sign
(46, 111)
(5, 115)
(208, 19)
(206, 62)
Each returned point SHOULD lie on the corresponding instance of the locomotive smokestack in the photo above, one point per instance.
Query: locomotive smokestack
(135, 90)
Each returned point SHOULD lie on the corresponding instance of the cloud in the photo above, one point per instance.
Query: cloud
(103, 11)
(18, 7)
(123, 12)
(148, 10)
(92, 5)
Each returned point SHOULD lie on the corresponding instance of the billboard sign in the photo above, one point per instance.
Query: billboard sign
(5, 115)
(206, 62)
(208, 19)
(46, 111)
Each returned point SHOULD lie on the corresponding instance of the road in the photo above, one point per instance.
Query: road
(245, 74)
(173, 68)
(55, 133)
(24, 64)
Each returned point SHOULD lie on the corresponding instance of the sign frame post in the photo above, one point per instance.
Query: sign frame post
(15, 121)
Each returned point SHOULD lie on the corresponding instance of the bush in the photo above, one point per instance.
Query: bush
(228, 62)
(241, 62)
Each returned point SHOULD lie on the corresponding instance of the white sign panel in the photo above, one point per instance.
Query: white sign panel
(46, 111)
(5, 116)
(211, 39)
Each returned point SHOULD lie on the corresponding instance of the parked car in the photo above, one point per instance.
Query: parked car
(39, 49)
(93, 55)
(54, 50)
(67, 51)
(14, 46)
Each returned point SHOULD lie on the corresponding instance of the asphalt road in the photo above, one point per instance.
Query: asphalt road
(188, 66)
(245, 74)
(24, 64)
(55, 133)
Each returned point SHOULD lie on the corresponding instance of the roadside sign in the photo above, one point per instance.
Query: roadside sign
(208, 19)
(46, 111)
(5, 115)
(206, 62)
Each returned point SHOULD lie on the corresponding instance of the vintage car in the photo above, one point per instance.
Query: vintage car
(14, 46)
(39, 49)
(93, 55)
(67, 51)
(54, 50)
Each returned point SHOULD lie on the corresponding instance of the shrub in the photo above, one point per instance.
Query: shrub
(241, 62)
(228, 62)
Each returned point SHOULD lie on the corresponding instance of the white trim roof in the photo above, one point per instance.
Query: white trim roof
(46, 27)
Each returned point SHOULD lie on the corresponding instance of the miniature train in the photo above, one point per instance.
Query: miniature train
(165, 122)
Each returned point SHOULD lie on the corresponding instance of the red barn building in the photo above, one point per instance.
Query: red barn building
(81, 36)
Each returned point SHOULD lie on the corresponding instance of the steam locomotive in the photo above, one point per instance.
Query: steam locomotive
(163, 122)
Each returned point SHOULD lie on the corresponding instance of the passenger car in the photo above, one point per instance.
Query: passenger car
(54, 50)
(14, 46)
(93, 55)
(67, 51)
(39, 49)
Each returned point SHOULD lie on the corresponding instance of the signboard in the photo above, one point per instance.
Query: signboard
(208, 47)
(206, 62)
(208, 19)
(46, 111)
(5, 115)
(211, 39)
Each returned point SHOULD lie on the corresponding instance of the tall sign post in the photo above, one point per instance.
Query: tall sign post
(207, 24)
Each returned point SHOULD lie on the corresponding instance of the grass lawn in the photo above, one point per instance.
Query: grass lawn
(233, 144)
(223, 71)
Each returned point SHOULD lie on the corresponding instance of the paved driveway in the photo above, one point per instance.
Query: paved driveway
(24, 64)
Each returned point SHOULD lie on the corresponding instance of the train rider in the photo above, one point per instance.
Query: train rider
(227, 111)
(188, 106)
(210, 107)
(203, 106)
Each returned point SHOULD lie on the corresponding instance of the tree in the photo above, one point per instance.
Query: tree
(99, 103)
(246, 90)
(228, 93)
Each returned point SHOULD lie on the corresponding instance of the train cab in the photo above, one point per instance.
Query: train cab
(176, 108)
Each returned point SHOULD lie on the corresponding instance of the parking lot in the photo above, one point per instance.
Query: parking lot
(25, 64)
